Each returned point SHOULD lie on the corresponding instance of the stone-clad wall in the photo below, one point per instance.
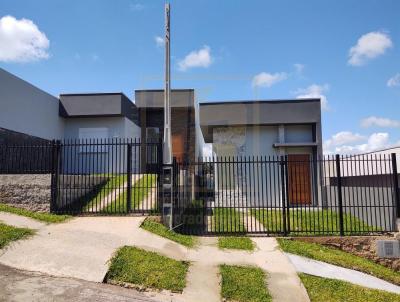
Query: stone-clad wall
(29, 191)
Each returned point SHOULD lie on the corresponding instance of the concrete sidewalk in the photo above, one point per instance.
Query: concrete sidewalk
(82, 247)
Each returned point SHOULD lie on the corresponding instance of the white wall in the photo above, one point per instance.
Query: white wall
(27, 109)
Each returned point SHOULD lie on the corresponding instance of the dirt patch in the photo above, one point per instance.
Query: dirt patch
(360, 246)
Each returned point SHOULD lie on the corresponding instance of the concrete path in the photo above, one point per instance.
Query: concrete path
(81, 248)
(20, 221)
(326, 270)
(21, 286)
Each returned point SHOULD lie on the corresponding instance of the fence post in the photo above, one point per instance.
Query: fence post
(129, 177)
(339, 192)
(396, 184)
(283, 194)
(55, 158)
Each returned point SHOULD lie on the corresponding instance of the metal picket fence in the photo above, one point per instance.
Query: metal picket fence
(294, 195)
(287, 195)
(92, 176)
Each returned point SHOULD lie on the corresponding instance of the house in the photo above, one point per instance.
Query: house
(232, 128)
(267, 130)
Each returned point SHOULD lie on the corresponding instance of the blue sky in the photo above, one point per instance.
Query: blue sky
(347, 52)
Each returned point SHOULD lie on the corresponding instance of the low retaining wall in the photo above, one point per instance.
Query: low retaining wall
(28, 191)
(33, 191)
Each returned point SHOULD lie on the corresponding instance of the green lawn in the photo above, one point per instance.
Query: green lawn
(306, 221)
(45, 217)
(140, 190)
(159, 229)
(340, 258)
(148, 269)
(243, 284)
(236, 243)
(226, 220)
(9, 233)
(114, 182)
(330, 290)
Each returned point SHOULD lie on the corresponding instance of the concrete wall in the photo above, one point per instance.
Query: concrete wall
(28, 191)
(375, 206)
(27, 109)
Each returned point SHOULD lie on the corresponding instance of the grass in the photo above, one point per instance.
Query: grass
(340, 258)
(236, 243)
(159, 229)
(243, 284)
(330, 290)
(148, 269)
(45, 217)
(303, 221)
(114, 182)
(226, 220)
(10, 233)
(140, 190)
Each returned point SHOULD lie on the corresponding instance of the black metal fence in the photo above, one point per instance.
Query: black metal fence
(288, 195)
(26, 158)
(92, 176)
(282, 195)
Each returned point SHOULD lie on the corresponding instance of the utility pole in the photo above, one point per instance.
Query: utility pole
(167, 153)
(168, 167)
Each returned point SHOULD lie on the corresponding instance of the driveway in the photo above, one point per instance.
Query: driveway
(25, 286)
(79, 248)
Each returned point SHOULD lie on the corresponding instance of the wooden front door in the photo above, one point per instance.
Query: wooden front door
(178, 147)
(299, 179)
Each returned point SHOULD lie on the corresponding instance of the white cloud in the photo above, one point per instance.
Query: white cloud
(136, 6)
(159, 41)
(299, 67)
(345, 142)
(21, 41)
(196, 58)
(379, 122)
(265, 79)
(342, 138)
(315, 91)
(369, 46)
(394, 80)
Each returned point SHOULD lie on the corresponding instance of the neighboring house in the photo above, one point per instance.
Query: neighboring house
(375, 170)
(27, 112)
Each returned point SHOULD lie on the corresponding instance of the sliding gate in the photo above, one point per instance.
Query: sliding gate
(106, 176)
(287, 195)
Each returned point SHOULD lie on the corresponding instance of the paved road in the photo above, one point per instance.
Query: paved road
(24, 286)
